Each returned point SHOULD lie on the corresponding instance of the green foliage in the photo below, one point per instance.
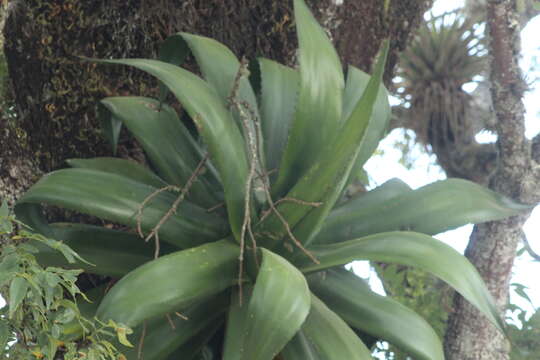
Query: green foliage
(523, 328)
(419, 291)
(248, 245)
(45, 315)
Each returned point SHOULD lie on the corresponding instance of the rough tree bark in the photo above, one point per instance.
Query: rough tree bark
(492, 247)
(55, 92)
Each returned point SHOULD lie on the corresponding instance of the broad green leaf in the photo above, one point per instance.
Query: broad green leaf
(17, 292)
(411, 249)
(215, 124)
(432, 209)
(219, 67)
(318, 112)
(168, 144)
(191, 349)
(162, 339)
(5, 335)
(300, 348)
(276, 310)
(122, 167)
(107, 252)
(181, 279)
(110, 126)
(326, 179)
(352, 299)
(118, 199)
(237, 322)
(279, 92)
(4, 210)
(6, 227)
(355, 86)
(381, 194)
(173, 51)
(325, 336)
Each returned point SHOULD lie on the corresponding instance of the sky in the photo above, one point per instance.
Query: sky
(386, 166)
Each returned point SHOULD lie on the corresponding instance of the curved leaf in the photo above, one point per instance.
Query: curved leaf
(173, 51)
(276, 310)
(388, 190)
(109, 252)
(318, 113)
(300, 348)
(118, 199)
(325, 336)
(324, 182)
(110, 126)
(411, 249)
(356, 84)
(163, 336)
(168, 144)
(432, 209)
(215, 124)
(18, 289)
(171, 282)
(73, 330)
(194, 346)
(278, 101)
(122, 167)
(352, 299)
(219, 67)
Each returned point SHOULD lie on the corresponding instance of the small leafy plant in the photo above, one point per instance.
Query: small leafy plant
(249, 226)
(46, 311)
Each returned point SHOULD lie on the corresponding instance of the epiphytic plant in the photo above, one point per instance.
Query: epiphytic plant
(249, 237)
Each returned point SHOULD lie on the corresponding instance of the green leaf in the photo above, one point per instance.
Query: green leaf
(5, 335)
(110, 126)
(4, 210)
(367, 200)
(173, 51)
(118, 199)
(352, 299)
(219, 67)
(167, 142)
(17, 292)
(194, 347)
(162, 339)
(276, 310)
(325, 336)
(108, 252)
(356, 84)
(432, 209)
(324, 182)
(411, 249)
(318, 113)
(215, 124)
(6, 227)
(126, 168)
(181, 279)
(278, 101)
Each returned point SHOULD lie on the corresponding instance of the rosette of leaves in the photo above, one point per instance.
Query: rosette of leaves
(446, 53)
(249, 243)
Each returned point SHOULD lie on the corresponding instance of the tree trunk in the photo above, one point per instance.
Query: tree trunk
(55, 92)
(492, 247)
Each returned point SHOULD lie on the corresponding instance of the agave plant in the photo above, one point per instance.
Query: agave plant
(250, 233)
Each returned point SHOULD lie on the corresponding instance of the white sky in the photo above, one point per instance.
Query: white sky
(385, 167)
